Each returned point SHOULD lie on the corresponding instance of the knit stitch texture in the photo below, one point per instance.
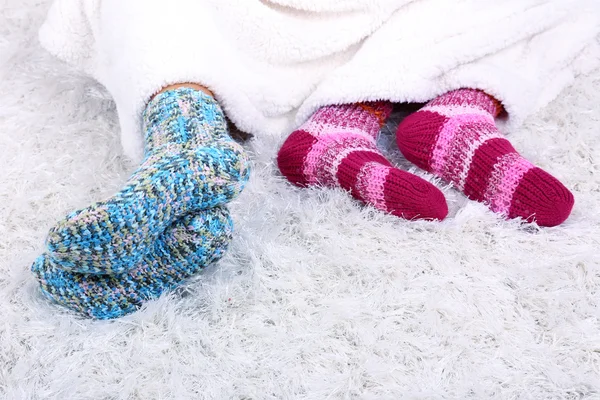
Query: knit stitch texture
(337, 148)
(190, 244)
(191, 164)
(168, 222)
(455, 138)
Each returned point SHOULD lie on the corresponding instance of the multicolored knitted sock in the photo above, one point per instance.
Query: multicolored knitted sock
(190, 244)
(337, 147)
(455, 137)
(191, 164)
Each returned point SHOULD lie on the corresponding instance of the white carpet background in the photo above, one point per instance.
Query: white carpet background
(318, 297)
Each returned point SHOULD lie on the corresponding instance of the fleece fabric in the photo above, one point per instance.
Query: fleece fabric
(272, 63)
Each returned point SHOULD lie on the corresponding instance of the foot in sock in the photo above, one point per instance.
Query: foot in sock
(191, 243)
(191, 164)
(337, 148)
(455, 138)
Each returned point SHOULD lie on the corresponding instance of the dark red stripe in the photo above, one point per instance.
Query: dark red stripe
(347, 173)
(482, 166)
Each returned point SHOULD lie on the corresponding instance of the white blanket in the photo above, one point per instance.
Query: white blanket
(271, 63)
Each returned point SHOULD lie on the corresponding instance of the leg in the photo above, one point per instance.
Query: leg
(455, 138)
(191, 164)
(190, 244)
(337, 147)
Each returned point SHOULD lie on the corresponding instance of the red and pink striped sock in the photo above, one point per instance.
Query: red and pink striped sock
(337, 147)
(455, 138)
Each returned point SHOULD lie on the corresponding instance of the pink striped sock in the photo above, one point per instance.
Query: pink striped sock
(336, 147)
(455, 138)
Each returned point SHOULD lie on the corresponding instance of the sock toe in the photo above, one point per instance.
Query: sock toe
(411, 197)
(437, 204)
(542, 198)
(93, 296)
(292, 156)
(90, 241)
(191, 244)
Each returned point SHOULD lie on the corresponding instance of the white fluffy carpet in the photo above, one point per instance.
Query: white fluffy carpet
(318, 298)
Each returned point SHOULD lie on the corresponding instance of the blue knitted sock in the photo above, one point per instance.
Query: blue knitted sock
(191, 243)
(191, 164)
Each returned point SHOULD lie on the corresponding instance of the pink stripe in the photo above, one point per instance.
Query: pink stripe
(456, 140)
(347, 117)
(471, 97)
(371, 182)
(454, 111)
(338, 157)
(497, 175)
(323, 158)
(507, 174)
(319, 129)
(444, 141)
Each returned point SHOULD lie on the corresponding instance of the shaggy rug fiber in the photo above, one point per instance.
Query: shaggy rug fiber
(319, 298)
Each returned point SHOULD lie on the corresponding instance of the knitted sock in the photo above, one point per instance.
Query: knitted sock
(455, 137)
(190, 244)
(191, 164)
(337, 147)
